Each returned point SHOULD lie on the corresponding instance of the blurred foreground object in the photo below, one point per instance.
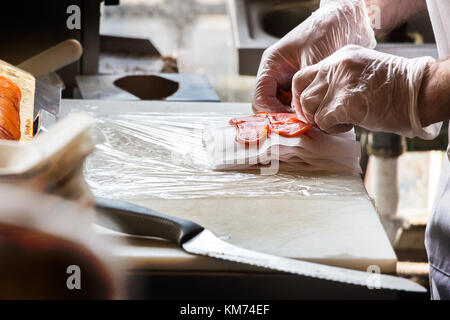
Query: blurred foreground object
(52, 162)
(385, 149)
(48, 249)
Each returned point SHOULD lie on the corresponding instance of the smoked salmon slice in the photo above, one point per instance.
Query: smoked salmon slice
(10, 91)
(10, 96)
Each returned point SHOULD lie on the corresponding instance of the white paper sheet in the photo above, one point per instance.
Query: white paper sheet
(312, 151)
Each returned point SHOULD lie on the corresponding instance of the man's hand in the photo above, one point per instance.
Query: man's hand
(334, 25)
(360, 86)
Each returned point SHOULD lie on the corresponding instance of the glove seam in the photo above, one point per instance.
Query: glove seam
(417, 73)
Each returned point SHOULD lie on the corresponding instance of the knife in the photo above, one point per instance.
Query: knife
(140, 221)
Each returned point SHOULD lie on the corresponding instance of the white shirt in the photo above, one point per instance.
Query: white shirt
(437, 239)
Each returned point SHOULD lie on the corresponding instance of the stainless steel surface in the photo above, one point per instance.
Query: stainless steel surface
(43, 121)
(197, 33)
(206, 243)
(279, 19)
(257, 24)
(172, 87)
(47, 97)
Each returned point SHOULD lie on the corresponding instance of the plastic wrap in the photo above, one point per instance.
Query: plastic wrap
(149, 155)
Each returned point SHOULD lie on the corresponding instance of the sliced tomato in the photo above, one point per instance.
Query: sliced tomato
(281, 117)
(259, 118)
(287, 124)
(248, 134)
(256, 128)
(251, 129)
(290, 128)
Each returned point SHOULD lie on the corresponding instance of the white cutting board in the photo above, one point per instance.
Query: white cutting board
(339, 230)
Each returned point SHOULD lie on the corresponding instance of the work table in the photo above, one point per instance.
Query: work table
(341, 229)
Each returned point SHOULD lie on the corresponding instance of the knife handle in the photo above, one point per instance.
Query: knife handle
(140, 221)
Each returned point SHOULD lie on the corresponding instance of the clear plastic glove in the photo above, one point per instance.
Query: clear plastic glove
(359, 86)
(336, 24)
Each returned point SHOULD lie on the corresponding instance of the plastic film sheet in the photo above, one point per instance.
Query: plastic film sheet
(145, 155)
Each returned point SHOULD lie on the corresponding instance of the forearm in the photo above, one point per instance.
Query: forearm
(392, 12)
(434, 94)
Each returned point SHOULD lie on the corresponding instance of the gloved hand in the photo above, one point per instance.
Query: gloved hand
(336, 24)
(360, 86)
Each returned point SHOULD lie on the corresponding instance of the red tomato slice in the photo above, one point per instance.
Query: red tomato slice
(251, 129)
(290, 128)
(281, 117)
(249, 134)
(260, 117)
(287, 124)
(256, 128)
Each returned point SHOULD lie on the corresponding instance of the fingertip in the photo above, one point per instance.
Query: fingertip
(300, 114)
(340, 128)
(333, 127)
(303, 77)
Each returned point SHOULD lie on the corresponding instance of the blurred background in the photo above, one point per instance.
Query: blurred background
(212, 48)
(197, 33)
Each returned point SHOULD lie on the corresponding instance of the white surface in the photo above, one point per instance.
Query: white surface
(439, 13)
(313, 151)
(337, 230)
(385, 186)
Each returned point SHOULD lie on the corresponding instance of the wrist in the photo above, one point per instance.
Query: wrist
(434, 94)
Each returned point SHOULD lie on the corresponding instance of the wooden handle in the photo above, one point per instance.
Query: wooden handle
(54, 58)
